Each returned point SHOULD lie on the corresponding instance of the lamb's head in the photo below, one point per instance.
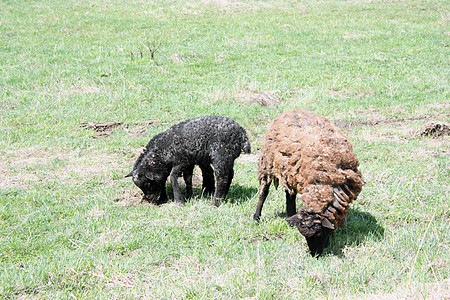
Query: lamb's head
(147, 179)
(314, 227)
(145, 182)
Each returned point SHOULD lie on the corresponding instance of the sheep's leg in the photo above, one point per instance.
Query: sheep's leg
(263, 192)
(230, 178)
(208, 178)
(221, 190)
(162, 195)
(290, 204)
(224, 175)
(187, 176)
(176, 172)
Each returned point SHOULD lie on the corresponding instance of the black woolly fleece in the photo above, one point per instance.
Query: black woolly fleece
(200, 141)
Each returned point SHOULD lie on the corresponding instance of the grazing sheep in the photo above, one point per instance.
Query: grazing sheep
(309, 155)
(201, 141)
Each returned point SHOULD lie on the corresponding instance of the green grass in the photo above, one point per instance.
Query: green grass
(71, 225)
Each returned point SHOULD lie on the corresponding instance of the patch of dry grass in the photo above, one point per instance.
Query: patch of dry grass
(25, 167)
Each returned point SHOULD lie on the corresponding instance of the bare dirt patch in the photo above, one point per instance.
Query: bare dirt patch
(132, 198)
(24, 167)
(433, 290)
(349, 93)
(96, 213)
(375, 122)
(435, 133)
(436, 129)
(250, 158)
(247, 94)
(83, 89)
(264, 98)
(105, 129)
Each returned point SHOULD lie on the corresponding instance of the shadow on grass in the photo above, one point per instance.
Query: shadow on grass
(361, 226)
(237, 193)
(240, 194)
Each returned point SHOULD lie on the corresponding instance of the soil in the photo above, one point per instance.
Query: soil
(436, 129)
(105, 129)
(346, 124)
(132, 198)
(250, 158)
(23, 167)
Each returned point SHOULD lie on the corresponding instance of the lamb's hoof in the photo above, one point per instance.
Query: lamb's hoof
(180, 201)
(256, 218)
(208, 191)
(215, 202)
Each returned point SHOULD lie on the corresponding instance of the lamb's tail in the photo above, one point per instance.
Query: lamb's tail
(245, 146)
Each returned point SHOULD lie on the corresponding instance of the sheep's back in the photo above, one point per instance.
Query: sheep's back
(210, 133)
(197, 140)
(302, 148)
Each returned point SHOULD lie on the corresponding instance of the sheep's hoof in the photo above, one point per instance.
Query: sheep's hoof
(256, 217)
(216, 202)
(180, 201)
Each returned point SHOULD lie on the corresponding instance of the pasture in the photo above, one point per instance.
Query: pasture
(85, 84)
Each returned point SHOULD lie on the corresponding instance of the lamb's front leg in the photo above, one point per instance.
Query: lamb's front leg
(224, 176)
(221, 190)
(162, 195)
(176, 172)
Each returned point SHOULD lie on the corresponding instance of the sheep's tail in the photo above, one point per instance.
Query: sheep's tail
(245, 146)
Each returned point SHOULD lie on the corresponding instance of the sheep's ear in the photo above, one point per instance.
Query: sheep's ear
(152, 176)
(327, 224)
(293, 220)
(129, 175)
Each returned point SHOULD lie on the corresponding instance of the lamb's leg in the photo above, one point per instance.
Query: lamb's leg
(290, 204)
(208, 178)
(187, 176)
(230, 178)
(162, 195)
(176, 172)
(224, 175)
(263, 192)
(221, 190)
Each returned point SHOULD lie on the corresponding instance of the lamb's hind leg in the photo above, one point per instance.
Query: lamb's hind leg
(208, 178)
(263, 192)
(290, 204)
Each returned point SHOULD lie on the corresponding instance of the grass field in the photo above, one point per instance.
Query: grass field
(72, 227)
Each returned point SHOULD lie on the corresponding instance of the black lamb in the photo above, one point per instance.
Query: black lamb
(200, 141)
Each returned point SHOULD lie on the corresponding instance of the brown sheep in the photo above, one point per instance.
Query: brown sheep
(309, 155)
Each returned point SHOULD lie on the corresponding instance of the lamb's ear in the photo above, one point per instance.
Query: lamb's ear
(152, 176)
(129, 175)
(327, 224)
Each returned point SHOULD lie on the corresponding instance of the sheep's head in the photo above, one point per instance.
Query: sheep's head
(315, 228)
(146, 181)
